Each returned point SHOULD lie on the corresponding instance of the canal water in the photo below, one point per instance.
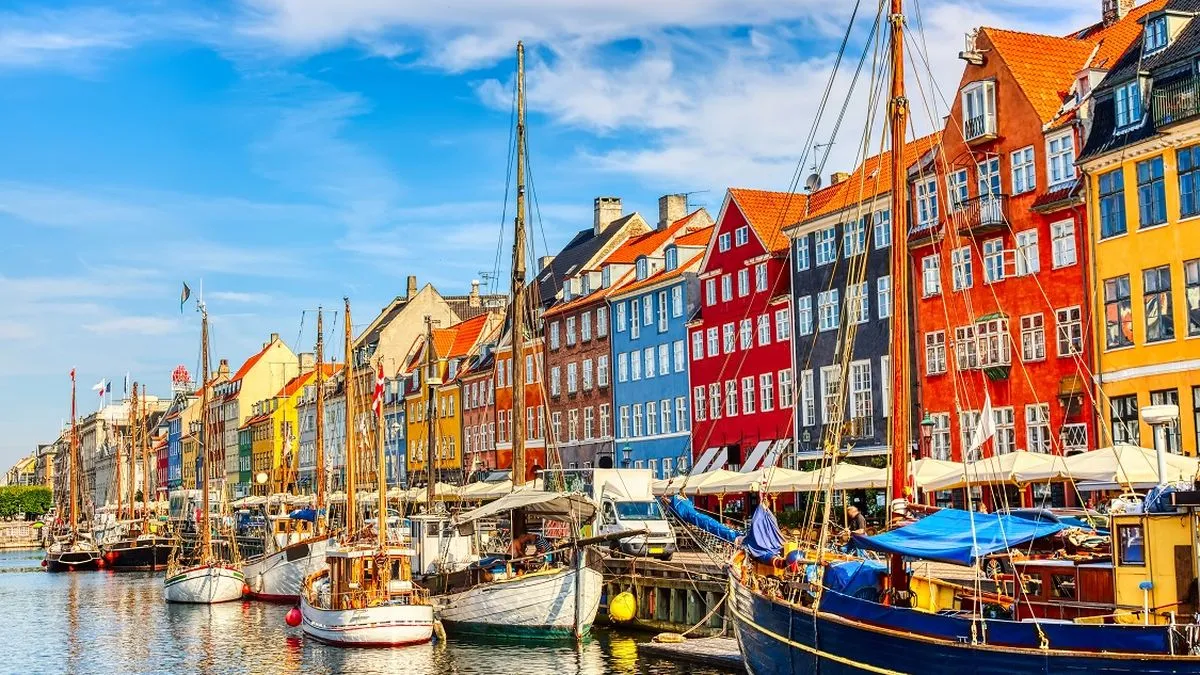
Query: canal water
(101, 622)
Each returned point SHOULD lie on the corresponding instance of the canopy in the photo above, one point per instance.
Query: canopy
(774, 479)
(690, 484)
(946, 536)
(1128, 465)
(928, 471)
(572, 507)
(1011, 467)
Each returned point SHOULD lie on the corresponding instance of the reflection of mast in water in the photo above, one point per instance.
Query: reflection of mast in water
(74, 648)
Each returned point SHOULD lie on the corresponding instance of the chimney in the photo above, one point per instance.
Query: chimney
(412, 286)
(1113, 11)
(544, 262)
(274, 337)
(307, 361)
(608, 209)
(837, 177)
(473, 299)
(670, 209)
(222, 369)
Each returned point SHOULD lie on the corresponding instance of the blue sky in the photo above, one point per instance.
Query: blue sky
(290, 152)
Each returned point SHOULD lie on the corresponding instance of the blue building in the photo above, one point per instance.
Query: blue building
(648, 315)
(395, 424)
(174, 450)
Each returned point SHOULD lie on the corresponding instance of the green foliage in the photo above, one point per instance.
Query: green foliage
(32, 500)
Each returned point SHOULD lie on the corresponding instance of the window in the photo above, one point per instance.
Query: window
(1155, 37)
(989, 177)
(726, 287)
(681, 413)
(622, 367)
(728, 338)
(1027, 261)
(601, 322)
(635, 322)
(604, 420)
(858, 305)
(885, 379)
(1062, 243)
(637, 417)
(745, 334)
(664, 416)
(1127, 100)
(826, 245)
(743, 284)
(555, 374)
(713, 344)
(1166, 438)
(993, 343)
(831, 394)
(587, 374)
(931, 276)
(764, 330)
(731, 402)
(1112, 203)
(960, 268)
(783, 325)
(927, 208)
(667, 468)
(884, 296)
(662, 311)
(854, 237)
(748, 394)
(1191, 296)
(677, 301)
(1131, 545)
(966, 349)
(804, 317)
(1152, 197)
(1037, 427)
(602, 370)
(648, 356)
(585, 327)
(993, 261)
(882, 224)
(698, 402)
(1118, 313)
(827, 310)
(939, 442)
(620, 317)
(573, 378)
(1033, 338)
(1125, 427)
(785, 389)
(801, 253)
(554, 335)
(741, 236)
(1060, 158)
(760, 277)
(1074, 438)
(1024, 178)
(979, 109)
(647, 309)
(678, 356)
(808, 404)
(572, 425)
(860, 398)
(664, 359)
(710, 292)
(957, 191)
(589, 423)
(697, 345)
(1156, 301)
(723, 242)
(1006, 435)
(651, 419)
(1070, 331)
(1188, 166)
(935, 352)
(670, 258)
(570, 331)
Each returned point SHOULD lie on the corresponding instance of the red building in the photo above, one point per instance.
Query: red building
(535, 406)
(999, 246)
(740, 348)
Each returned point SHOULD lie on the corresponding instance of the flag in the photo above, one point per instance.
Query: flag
(72, 374)
(183, 297)
(377, 401)
(986, 428)
(127, 384)
(99, 387)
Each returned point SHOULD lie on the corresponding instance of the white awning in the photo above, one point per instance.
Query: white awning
(756, 455)
(721, 459)
(777, 449)
(571, 507)
(701, 464)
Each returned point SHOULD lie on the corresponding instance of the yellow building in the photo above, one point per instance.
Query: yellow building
(263, 449)
(1142, 172)
(188, 469)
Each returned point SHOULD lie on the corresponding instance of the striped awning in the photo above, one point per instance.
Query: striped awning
(756, 456)
(777, 449)
(701, 465)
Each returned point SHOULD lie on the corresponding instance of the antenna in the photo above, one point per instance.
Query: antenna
(813, 183)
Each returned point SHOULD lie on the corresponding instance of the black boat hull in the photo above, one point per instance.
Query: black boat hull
(147, 555)
(73, 561)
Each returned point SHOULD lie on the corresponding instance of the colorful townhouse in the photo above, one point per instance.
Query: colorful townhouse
(998, 241)
(536, 395)
(479, 419)
(843, 302)
(740, 362)
(246, 453)
(648, 315)
(395, 423)
(1142, 168)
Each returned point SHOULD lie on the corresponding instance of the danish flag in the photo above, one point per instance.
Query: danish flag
(377, 401)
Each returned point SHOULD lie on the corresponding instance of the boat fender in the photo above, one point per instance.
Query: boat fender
(669, 638)
(293, 617)
(622, 607)
(439, 631)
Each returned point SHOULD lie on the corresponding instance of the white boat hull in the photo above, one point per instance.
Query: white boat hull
(204, 584)
(382, 626)
(539, 605)
(279, 576)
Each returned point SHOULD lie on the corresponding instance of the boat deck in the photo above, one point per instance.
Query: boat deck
(717, 652)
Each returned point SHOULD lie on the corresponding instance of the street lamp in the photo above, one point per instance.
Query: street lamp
(927, 425)
(626, 456)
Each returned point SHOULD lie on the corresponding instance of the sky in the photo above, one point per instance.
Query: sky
(282, 154)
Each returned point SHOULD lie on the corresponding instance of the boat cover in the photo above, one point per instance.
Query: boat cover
(308, 514)
(570, 507)
(763, 541)
(852, 576)
(946, 536)
(686, 511)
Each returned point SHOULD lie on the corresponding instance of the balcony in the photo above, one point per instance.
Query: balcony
(982, 214)
(1176, 102)
(979, 129)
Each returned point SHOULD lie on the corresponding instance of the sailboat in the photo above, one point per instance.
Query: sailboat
(136, 545)
(908, 623)
(74, 549)
(295, 543)
(530, 594)
(204, 574)
(365, 597)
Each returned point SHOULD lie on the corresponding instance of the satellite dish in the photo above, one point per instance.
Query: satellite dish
(813, 183)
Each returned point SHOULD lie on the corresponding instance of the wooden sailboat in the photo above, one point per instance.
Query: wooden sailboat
(137, 545)
(534, 596)
(295, 547)
(205, 574)
(72, 550)
(366, 596)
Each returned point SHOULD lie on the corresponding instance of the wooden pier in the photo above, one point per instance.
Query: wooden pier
(718, 652)
(671, 596)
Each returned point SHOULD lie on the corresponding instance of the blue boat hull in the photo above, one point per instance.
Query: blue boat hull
(778, 638)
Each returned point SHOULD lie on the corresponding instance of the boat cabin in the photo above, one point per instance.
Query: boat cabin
(1154, 562)
(439, 546)
(1060, 589)
(360, 577)
(286, 531)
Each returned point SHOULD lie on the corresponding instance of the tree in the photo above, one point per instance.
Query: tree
(31, 500)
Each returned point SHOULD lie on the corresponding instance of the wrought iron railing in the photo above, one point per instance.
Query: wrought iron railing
(981, 213)
(978, 127)
(1176, 101)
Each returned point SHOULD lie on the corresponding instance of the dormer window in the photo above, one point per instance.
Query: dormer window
(671, 258)
(606, 276)
(566, 290)
(643, 268)
(979, 110)
(586, 282)
(1127, 100)
(1155, 35)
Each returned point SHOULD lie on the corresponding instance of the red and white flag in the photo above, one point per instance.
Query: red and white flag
(377, 401)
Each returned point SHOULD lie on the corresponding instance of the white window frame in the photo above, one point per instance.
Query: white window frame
(1060, 158)
(1024, 177)
(1062, 243)
(1033, 337)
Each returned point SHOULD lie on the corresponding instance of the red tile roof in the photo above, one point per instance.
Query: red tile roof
(698, 238)
(648, 243)
(302, 379)
(661, 275)
(768, 213)
(870, 179)
(466, 334)
(250, 362)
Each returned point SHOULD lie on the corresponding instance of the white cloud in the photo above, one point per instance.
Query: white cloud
(238, 297)
(133, 326)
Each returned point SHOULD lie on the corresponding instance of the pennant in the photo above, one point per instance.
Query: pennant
(72, 374)
(986, 428)
(377, 400)
(183, 297)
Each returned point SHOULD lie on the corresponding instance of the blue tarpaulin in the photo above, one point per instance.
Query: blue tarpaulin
(304, 514)
(686, 511)
(763, 540)
(946, 536)
(852, 576)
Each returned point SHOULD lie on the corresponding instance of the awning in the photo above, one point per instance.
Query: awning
(777, 449)
(756, 456)
(947, 536)
(706, 458)
(571, 507)
(720, 460)
(1128, 465)
(690, 485)
(1017, 468)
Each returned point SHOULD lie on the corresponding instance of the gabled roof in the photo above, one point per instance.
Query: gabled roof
(252, 361)
(768, 213)
(871, 179)
(582, 247)
(698, 238)
(296, 383)
(660, 276)
(648, 243)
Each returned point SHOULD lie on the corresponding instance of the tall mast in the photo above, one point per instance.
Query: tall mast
(320, 440)
(517, 371)
(73, 463)
(145, 464)
(430, 415)
(381, 476)
(351, 479)
(134, 444)
(129, 437)
(901, 339)
(205, 532)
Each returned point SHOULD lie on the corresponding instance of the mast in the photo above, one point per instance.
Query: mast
(145, 464)
(320, 440)
(133, 446)
(120, 503)
(205, 532)
(901, 431)
(351, 479)
(381, 476)
(430, 413)
(517, 372)
(73, 463)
